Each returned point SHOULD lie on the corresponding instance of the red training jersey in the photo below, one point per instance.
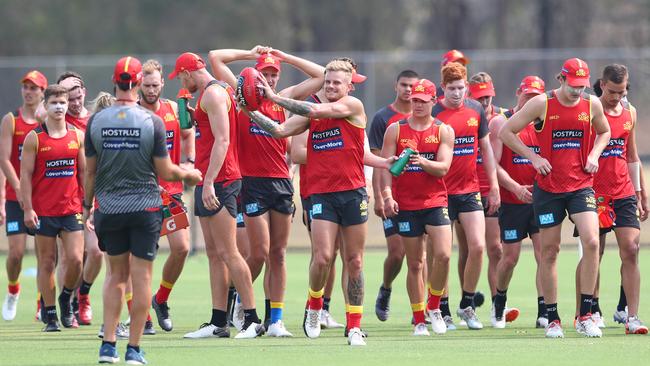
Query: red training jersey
(483, 181)
(416, 189)
(173, 139)
(78, 122)
(613, 177)
(55, 182)
(565, 140)
(261, 155)
(205, 139)
(20, 130)
(518, 167)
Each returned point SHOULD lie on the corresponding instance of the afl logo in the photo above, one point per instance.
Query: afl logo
(472, 122)
(170, 225)
(583, 117)
(627, 126)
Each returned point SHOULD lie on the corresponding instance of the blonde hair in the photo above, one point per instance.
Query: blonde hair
(150, 66)
(339, 65)
(481, 77)
(102, 101)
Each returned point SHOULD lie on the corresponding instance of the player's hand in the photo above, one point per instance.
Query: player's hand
(31, 219)
(388, 163)
(194, 177)
(524, 193)
(209, 197)
(379, 208)
(259, 50)
(541, 165)
(186, 165)
(89, 218)
(391, 208)
(279, 54)
(591, 166)
(268, 92)
(493, 200)
(642, 204)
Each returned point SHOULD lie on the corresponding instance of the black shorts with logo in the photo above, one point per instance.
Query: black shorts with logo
(486, 208)
(551, 208)
(626, 213)
(134, 232)
(306, 212)
(390, 226)
(517, 221)
(15, 219)
(413, 223)
(258, 195)
(226, 193)
(240, 214)
(345, 208)
(466, 202)
(51, 226)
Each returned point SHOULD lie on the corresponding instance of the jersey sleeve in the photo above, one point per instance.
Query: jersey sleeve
(377, 131)
(159, 135)
(89, 148)
(482, 124)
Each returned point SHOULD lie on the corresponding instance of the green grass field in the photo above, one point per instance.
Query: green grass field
(389, 343)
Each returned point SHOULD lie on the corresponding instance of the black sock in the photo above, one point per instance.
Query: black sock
(231, 299)
(444, 306)
(595, 307)
(84, 289)
(250, 316)
(385, 291)
(326, 303)
(50, 312)
(65, 295)
(541, 308)
(136, 348)
(218, 318)
(551, 310)
(267, 310)
(111, 343)
(585, 304)
(500, 303)
(622, 301)
(467, 299)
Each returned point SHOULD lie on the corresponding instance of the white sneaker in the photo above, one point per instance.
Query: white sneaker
(277, 329)
(620, 316)
(121, 332)
(470, 318)
(462, 323)
(252, 331)
(497, 323)
(554, 330)
(355, 337)
(311, 323)
(238, 314)
(449, 322)
(587, 327)
(420, 329)
(634, 326)
(438, 324)
(541, 322)
(327, 321)
(207, 330)
(598, 319)
(9, 306)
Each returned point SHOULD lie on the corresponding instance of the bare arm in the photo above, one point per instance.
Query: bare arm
(27, 163)
(389, 148)
(601, 127)
(81, 159)
(215, 104)
(489, 163)
(6, 137)
(293, 126)
(89, 179)
(3, 198)
(220, 58)
(635, 168)
(375, 161)
(315, 72)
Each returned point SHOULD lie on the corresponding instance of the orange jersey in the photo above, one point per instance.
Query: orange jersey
(173, 139)
(518, 167)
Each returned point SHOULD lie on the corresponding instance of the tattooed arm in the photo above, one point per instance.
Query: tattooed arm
(295, 125)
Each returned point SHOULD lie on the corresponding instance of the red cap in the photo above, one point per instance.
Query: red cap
(423, 89)
(35, 77)
(127, 70)
(357, 78)
(268, 60)
(480, 90)
(188, 61)
(576, 72)
(532, 85)
(454, 56)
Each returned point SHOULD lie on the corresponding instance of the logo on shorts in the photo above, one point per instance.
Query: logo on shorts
(317, 209)
(510, 234)
(252, 208)
(445, 213)
(363, 208)
(12, 226)
(240, 218)
(590, 201)
(546, 219)
(80, 218)
(478, 197)
(404, 227)
(388, 224)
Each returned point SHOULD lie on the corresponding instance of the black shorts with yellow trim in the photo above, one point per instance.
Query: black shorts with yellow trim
(226, 193)
(345, 208)
(465, 202)
(517, 221)
(551, 208)
(52, 226)
(413, 223)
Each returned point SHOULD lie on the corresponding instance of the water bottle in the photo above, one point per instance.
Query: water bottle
(401, 162)
(183, 113)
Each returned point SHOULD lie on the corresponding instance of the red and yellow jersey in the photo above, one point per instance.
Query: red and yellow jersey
(483, 181)
(613, 177)
(173, 139)
(55, 184)
(519, 168)
(205, 138)
(78, 122)
(20, 130)
(416, 189)
(255, 143)
(565, 140)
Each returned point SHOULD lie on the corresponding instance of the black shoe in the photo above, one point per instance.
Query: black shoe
(148, 328)
(162, 313)
(67, 316)
(52, 325)
(75, 306)
(42, 311)
(479, 299)
(382, 304)
(345, 332)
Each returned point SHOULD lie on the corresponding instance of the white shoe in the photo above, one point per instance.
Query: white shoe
(252, 331)
(620, 316)
(587, 327)
(207, 330)
(355, 337)
(499, 323)
(327, 321)
(277, 329)
(634, 326)
(420, 329)
(9, 306)
(470, 318)
(598, 319)
(438, 324)
(554, 330)
(238, 314)
(449, 322)
(541, 322)
(311, 324)
(121, 331)
(462, 323)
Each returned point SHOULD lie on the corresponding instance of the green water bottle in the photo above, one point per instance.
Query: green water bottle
(401, 162)
(183, 113)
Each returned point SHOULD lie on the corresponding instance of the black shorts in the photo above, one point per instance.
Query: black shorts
(51, 226)
(134, 232)
(390, 226)
(551, 208)
(15, 220)
(466, 202)
(306, 212)
(226, 194)
(345, 208)
(517, 221)
(413, 223)
(486, 208)
(240, 214)
(258, 195)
